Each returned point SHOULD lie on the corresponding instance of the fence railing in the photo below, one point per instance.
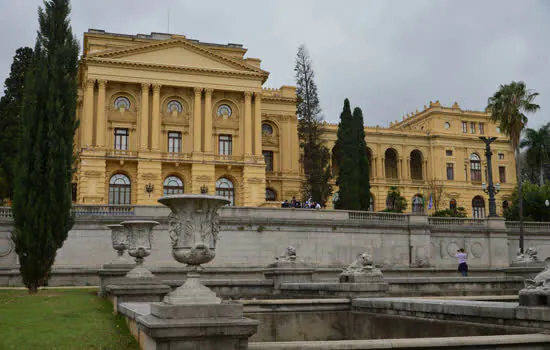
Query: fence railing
(374, 216)
(437, 221)
(532, 226)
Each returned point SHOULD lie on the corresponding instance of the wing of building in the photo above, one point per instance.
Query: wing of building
(163, 114)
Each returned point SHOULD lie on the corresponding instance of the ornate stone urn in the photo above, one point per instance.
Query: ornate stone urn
(139, 235)
(119, 239)
(194, 227)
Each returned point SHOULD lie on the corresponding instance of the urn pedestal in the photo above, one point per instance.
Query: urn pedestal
(119, 239)
(192, 316)
(139, 235)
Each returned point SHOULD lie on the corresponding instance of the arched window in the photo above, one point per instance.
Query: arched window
(267, 129)
(416, 165)
(122, 102)
(391, 163)
(417, 204)
(475, 167)
(120, 189)
(270, 194)
(452, 204)
(224, 111)
(172, 185)
(174, 106)
(225, 188)
(478, 207)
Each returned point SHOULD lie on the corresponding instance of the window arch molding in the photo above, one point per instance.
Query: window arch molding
(173, 184)
(475, 167)
(235, 110)
(120, 189)
(182, 99)
(226, 187)
(270, 194)
(123, 94)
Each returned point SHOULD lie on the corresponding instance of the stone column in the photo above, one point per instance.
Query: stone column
(383, 168)
(88, 115)
(208, 121)
(247, 123)
(197, 127)
(399, 168)
(258, 124)
(101, 125)
(408, 169)
(155, 119)
(425, 170)
(143, 126)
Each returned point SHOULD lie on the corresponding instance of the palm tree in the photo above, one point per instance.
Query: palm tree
(538, 148)
(508, 107)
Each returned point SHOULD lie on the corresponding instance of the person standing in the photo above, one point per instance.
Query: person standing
(462, 264)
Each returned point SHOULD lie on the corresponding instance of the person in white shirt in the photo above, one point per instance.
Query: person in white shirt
(462, 264)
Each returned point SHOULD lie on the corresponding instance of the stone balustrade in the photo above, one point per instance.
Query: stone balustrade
(531, 226)
(376, 216)
(442, 221)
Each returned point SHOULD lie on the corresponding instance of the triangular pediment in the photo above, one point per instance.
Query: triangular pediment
(178, 53)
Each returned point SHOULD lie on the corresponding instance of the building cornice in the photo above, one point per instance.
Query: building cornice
(164, 67)
(120, 53)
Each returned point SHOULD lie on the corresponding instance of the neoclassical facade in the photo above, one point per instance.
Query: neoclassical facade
(164, 114)
(436, 153)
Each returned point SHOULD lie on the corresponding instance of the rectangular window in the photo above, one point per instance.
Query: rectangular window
(464, 127)
(226, 145)
(473, 128)
(502, 174)
(121, 139)
(268, 156)
(174, 142)
(449, 153)
(500, 156)
(481, 128)
(450, 171)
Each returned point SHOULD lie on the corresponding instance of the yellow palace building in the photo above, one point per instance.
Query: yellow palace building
(164, 114)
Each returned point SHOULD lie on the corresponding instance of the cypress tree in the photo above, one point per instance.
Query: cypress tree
(10, 121)
(362, 160)
(346, 149)
(42, 195)
(316, 156)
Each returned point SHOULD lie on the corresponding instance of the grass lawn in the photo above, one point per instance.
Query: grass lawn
(61, 319)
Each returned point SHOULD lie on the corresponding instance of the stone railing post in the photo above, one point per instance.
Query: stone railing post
(498, 242)
(419, 241)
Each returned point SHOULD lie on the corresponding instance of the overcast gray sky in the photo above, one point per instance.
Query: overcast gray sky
(388, 57)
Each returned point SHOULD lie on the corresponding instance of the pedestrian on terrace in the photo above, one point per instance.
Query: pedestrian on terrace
(462, 264)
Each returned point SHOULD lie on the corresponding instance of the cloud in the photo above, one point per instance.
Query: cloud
(389, 57)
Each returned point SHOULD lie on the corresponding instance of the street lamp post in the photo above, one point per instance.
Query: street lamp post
(491, 190)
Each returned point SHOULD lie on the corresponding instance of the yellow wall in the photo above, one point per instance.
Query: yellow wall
(153, 70)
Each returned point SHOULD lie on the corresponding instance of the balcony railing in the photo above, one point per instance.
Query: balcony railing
(228, 158)
(374, 216)
(438, 222)
(121, 153)
(176, 156)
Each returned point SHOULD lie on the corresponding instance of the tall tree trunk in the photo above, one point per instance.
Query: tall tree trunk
(520, 200)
